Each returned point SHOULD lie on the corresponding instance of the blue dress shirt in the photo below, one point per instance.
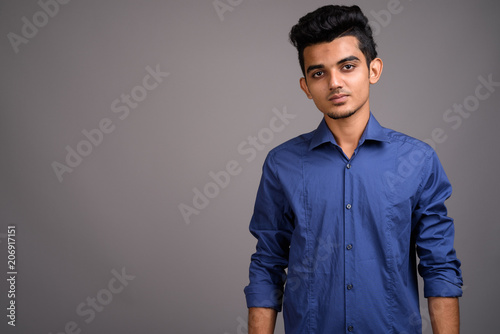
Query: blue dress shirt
(344, 233)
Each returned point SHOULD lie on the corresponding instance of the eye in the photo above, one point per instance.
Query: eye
(317, 74)
(349, 67)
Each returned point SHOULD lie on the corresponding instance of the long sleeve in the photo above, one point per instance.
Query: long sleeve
(439, 265)
(272, 226)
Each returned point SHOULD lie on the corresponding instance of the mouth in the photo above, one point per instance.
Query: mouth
(338, 98)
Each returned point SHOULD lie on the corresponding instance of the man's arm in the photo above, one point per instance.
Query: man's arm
(261, 320)
(272, 226)
(445, 315)
(439, 265)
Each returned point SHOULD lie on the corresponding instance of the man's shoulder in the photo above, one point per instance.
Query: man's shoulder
(404, 140)
(295, 146)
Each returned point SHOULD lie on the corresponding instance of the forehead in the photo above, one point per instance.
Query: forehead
(333, 51)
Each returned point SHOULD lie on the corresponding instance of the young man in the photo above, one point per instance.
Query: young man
(347, 207)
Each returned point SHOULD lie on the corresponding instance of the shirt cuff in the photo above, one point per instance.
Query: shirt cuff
(269, 296)
(439, 287)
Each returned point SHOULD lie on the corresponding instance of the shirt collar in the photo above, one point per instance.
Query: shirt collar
(373, 131)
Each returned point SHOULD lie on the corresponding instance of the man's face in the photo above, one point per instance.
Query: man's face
(338, 78)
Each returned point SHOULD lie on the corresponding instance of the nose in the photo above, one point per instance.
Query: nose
(335, 80)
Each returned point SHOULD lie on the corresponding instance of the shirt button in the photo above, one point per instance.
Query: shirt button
(350, 329)
(348, 206)
(349, 287)
(348, 166)
(349, 247)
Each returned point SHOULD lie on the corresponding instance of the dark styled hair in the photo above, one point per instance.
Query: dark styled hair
(330, 22)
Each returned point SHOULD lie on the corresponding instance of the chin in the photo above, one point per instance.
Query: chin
(341, 115)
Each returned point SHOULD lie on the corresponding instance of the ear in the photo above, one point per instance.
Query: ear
(376, 67)
(303, 86)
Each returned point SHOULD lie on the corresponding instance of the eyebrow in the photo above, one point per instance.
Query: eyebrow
(321, 66)
(346, 59)
(315, 67)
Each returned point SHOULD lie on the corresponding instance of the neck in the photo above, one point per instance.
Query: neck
(347, 131)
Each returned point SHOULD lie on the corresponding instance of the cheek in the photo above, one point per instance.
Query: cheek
(317, 91)
(362, 86)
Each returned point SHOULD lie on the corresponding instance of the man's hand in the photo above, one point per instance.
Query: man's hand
(261, 320)
(445, 315)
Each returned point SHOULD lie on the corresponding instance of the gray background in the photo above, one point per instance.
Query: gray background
(120, 207)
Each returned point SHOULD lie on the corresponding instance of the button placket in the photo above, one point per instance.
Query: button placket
(349, 255)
